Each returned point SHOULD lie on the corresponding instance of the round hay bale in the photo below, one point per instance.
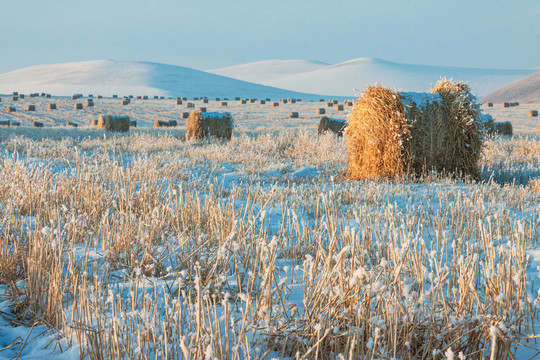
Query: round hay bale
(89, 103)
(100, 97)
(321, 100)
(275, 104)
(15, 93)
(252, 100)
(74, 97)
(132, 123)
(13, 123)
(78, 106)
(14, 98)
(190, 105)
(51, 106)
(243, 102)
(293, 114)
(217, 99)
(321, 111)
(200, 125)
(329, 104)
(125, 102)
(173, 123)
(71, 124)
(178, 101)
(94, 122)
(11, 109)
(184, 115)
(4, 122)
(489, 104)
(21, 96)
(202, 109)
(533, 113)
(262, 102)
(237, 98)
(335, 101)
(48, 96)
(37, 124)
(161, 123)
(223, 104)
(334, 125)
(339, 107)
(162, 97)
(283, 101)
(113, 123)
(204, 101)
(90, 95)
(31, 108)
(391, 134)
(505, 105)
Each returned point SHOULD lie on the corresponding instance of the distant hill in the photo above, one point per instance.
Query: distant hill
(526, 90)
(343, 78)
(108, 77)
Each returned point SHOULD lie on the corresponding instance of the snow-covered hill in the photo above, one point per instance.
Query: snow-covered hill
(108, 77)
(526, 91)
(343, 78)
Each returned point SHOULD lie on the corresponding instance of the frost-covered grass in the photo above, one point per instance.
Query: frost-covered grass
(145, 246)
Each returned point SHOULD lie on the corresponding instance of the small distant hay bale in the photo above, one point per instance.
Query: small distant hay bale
(293, 114)
(48, 96)
(14, 123)
(489, 104)
(173, 123)
(115, 96)
(335, 101)
(113, 123)
(321, 100)
(505, 104)
(183, 98)
(334, 125)
(74, 97)
(190, 105)
(284, 101)
(292, 101)
(195, 98)
(31, 108)
(204, 101)
(339, 107)
(162, 97)
(217, 99)
(321, 111)
(14, 98)
(237, 98)
(15, 93)
(218, 125)
(223, 104)
(391, 134)
(90, 95)
(533, 113)
(145, 97)
(11, 109)
(71, 124)
(4, 123)
(100, 97)
(125, 102)
(132, 123)
(275, 104)
(349, 103)
(89, 102)
(78, 106)
(178, 101)
(32, 95)
(51, 106)
(329, 104)
(156, 97)
(37, 124)
(161, 123)
(242, 102)
(21, 96)
(262, 102)
(202, 109)
(94, 122)
(184, 115)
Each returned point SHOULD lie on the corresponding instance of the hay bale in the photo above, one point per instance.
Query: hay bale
(74, 97)
(125, 102)
(89, 103)
(51, 106)
(71, 124)
(204, 101)
(37, 124)
(391, 134)
(14, 98)
(100, 97)
(242, 102)
(321, 111)
(292, 101)
(11, 109)
(48, 96)
(113, 123)
(145, 97)
(190, 105)
(262, 102)
(178, 101)
(202, 109)
(329, 104)
(237, 98)
(293, 114)
(223, 104)
(78, 106)
(533, 113)
(21, 96)
(31, 108)
(14, 123)
(15, 93)
(161, 123)
(334, 125)
(173, 123)
(4, 122)
(201, 125)
(283, 101)
(162, 97)
(489, 104)
(275, 104)
(132, 123)
(321, 100)
(184, 115)
(349, 103)
(94, 122)
(505, 104)
(335, 101)
(339, 107)
(217, 99)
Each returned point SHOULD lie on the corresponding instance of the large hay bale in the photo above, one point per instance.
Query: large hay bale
(391, 134)
(533, 113)
(334, 125)
(37, 124)
(293, 114)
(31, 108)
(321, 111)
(114, 123)
(201, 125)
(11, 109)
(51, 106)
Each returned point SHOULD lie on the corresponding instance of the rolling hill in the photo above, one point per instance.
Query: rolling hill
(526, 91)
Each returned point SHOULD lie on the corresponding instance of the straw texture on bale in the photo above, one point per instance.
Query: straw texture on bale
(200, 125)
(533, 113)
(113, 123)
(51, 106)
(391, 134)
(334, 125)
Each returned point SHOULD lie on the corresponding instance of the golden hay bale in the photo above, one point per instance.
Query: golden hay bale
(223, 103)
(78, 106)
(505, 104)
(125, 102)
(184, 115)
(293, 114)
(4, 122)
(329, 104)
(339, 107)
(51, 106)
(31, 108)
(115, 96)
(335, 101)
(190, 105)
(275, 104)
(22, 97)
(94, 122)
(320, 111)
(533, 113)
(47, 96)
(71, 124)
(262, 102)
(74, 97)
(89, 103)
(37, 124)
(217, 99)
(13, 123)
(161, 123)
(390, 134)
(292, 101)
(178, 101)
(113, 123)
(10, 109)
(242, 102)
(204, 101)
(14, 98)
(334, 125)
(489, 104)
(200, 125)
(284, 101)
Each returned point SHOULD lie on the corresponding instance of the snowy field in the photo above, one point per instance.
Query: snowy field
(142, 245)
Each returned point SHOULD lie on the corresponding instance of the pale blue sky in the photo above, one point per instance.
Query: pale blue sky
(208, 34)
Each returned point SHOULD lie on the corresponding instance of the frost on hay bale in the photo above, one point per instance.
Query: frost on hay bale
(321, 111)
(334, 125)
(201, 125)
(37, 124)
(533, 113)
(51, 106)
(78, 106)
(113, 123)
(293, 114)
(11, 109)
(391, 134)
(31, 108)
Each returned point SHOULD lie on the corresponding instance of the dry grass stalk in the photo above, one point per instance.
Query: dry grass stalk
(200, 125)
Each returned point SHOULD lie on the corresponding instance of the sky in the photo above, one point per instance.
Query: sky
(208, 34)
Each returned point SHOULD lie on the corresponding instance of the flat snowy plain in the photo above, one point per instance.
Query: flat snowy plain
(142, 245)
